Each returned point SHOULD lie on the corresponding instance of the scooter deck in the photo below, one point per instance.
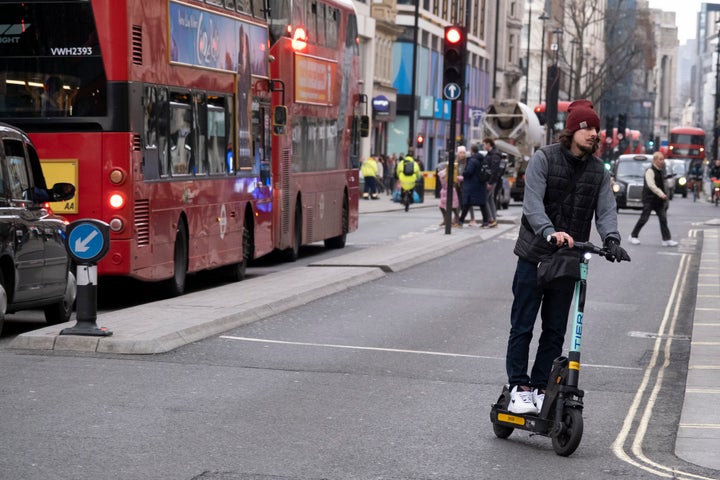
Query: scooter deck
(529, 422)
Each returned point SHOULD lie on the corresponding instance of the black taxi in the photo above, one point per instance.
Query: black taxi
(35, 269)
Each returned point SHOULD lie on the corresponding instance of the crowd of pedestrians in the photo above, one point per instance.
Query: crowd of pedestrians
(475, 182)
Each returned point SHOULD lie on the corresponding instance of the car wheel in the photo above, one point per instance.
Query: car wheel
(61, 311)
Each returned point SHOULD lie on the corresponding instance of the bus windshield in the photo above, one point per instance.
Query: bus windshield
(51, 61)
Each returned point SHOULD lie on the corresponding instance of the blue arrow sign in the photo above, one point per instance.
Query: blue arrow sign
(87, 240)
(452, 91)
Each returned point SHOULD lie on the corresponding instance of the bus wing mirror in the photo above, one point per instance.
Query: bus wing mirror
(364, 126)
(279, 119)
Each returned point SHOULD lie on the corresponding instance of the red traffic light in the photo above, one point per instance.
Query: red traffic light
(420, 141)
(453, 35)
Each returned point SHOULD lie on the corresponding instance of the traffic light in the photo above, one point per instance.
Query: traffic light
(420, 141)
(454, 53)
(609, 125)
(622, 126)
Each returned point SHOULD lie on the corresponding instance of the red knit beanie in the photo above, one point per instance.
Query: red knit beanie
(581, 115)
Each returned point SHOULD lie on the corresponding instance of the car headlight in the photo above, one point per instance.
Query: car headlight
(682, 181)
(617, 188)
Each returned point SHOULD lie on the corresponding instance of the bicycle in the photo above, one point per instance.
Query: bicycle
(716, 191)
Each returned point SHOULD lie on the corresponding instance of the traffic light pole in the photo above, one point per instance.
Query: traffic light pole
(454, 58)
(450, 169)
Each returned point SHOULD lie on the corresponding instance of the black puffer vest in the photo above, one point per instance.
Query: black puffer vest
(572, 215)
(648, 195)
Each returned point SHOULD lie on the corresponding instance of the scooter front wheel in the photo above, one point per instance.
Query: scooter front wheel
(567, 441)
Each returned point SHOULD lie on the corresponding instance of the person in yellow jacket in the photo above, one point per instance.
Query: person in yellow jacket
(369, 170)
(407, 179)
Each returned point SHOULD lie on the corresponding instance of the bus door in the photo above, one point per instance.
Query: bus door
(262, 155)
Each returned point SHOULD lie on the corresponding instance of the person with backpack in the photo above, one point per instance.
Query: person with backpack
(407, 171)
(492, 161)
(461, 158)
(474, 190)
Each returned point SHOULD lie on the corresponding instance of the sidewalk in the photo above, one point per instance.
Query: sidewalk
(698, 435)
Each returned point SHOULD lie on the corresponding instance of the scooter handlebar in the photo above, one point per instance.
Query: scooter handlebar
(585, 247)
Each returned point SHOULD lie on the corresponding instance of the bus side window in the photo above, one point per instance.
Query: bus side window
(181, 148)
(217, 141)
(198, 160)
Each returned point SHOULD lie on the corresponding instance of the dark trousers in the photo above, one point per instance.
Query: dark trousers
(469, 208)
(661, 212)
(554, 307)
(370, 185)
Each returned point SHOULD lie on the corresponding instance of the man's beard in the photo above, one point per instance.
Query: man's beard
(592, 148)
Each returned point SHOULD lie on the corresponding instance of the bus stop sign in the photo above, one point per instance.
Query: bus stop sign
(88, 241)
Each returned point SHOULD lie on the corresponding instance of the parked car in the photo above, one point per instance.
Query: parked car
(35, 268)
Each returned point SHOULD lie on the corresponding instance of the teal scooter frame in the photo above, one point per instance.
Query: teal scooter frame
(561, 415)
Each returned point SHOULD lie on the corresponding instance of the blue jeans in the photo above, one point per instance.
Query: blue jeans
(554, 307)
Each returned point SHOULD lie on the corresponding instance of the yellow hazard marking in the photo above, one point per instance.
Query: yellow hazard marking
(574, 366)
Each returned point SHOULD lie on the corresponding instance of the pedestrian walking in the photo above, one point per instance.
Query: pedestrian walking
(445, 187)
(474, 190)
(369, 170)
(461, 158)
(493, 159)
(655, 199)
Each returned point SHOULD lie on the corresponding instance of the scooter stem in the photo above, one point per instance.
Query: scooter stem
(578, 312)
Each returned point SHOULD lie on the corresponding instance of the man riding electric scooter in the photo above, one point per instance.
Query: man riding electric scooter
(566, 186)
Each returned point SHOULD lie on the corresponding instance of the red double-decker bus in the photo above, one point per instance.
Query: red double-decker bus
(162, 113)
(686, 142)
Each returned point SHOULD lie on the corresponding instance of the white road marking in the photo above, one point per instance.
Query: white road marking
(398, 350)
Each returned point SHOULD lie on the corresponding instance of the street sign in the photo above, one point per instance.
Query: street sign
(88, 240)
(452, 91)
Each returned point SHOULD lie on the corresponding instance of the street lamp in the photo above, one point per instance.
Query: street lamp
(542, 17)
(527, 62)
(556, 46)
(573, 42)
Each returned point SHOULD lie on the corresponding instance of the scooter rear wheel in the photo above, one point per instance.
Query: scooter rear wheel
(501, 431)
(568, 440)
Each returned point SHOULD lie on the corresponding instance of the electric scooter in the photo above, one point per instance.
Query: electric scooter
(561, 414)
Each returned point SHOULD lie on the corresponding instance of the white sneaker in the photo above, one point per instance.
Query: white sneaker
(521, 401)
(538, 399)
(634, 241)
(669, 243)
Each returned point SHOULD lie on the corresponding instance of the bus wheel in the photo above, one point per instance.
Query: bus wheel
(3, 301)
(236, 272)
(292, 253)
(61, 311)
(176, 284)
(339, 241)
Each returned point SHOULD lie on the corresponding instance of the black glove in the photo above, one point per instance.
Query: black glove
(615, 252)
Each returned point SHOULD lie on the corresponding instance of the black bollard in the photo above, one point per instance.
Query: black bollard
(86, 304)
